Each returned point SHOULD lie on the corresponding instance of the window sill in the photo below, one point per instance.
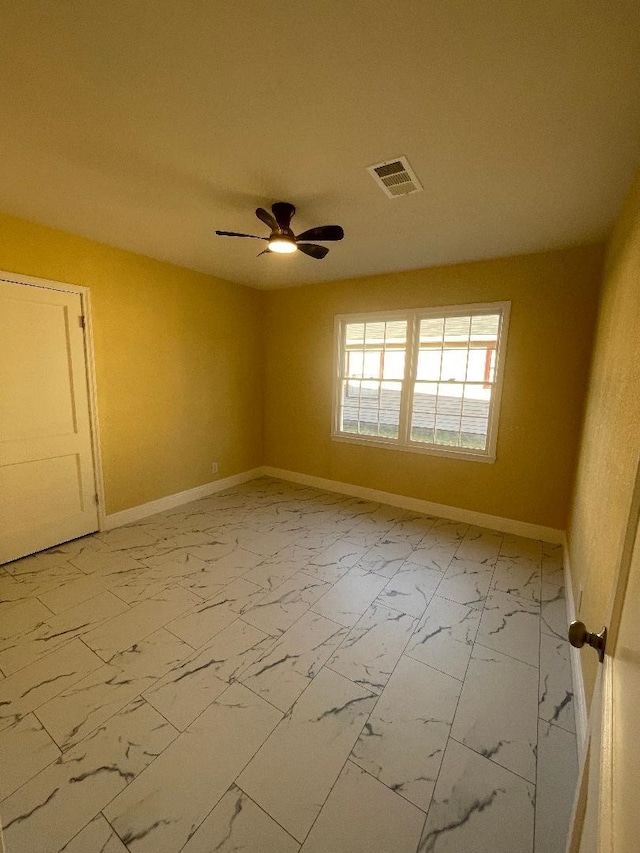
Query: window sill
(453, 453)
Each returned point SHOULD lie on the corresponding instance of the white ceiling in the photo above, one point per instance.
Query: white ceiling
(147, 124)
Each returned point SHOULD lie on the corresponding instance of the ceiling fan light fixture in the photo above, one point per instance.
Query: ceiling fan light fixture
(282, 245)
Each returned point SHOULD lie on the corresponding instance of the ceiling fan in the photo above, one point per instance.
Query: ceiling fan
(282, 239)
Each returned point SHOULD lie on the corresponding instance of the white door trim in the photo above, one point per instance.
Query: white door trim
(85, 298)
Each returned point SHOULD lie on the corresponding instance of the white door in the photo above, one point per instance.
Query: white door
(47, 480)
(607, 812)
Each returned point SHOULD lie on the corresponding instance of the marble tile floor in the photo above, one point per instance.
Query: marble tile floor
(277, 669)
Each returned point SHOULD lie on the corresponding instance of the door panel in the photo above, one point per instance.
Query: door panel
(606, 816)
(47, 481)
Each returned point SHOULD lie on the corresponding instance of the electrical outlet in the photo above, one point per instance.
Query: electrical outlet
(214, 467)
(580, 592)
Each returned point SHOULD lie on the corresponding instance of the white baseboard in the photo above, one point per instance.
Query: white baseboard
(579, 695)
(493, 522)
(467, 516)
(135, 513)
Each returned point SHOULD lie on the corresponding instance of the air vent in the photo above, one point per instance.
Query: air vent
(395, 177)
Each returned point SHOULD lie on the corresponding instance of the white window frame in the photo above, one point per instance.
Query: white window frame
(413, 318)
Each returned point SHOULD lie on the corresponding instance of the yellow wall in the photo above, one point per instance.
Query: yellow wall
(554, 300)
(610, 447)
(182, 368)
(177, 359)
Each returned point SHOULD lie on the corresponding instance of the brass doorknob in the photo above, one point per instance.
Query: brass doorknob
(579, 636)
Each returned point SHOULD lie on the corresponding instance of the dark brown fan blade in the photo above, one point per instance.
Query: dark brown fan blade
(317, 252)
(236, 234)
(267, 218)
(322, 233)
(283, 212)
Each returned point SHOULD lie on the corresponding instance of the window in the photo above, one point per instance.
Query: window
(426, 380)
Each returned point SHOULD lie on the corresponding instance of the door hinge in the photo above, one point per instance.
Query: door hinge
(81, 321)
(97, 499)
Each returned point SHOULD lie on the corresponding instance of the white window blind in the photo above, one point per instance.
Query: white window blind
(424, 380)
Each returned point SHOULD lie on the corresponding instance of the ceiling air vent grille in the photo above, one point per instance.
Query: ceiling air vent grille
(395, 177)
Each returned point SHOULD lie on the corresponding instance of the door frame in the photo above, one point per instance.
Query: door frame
(85, 300)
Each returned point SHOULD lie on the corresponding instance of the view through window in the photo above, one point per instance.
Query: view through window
(422, 379)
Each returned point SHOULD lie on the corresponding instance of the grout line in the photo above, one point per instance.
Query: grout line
(257, 805)
(497, 764)
(506, 655)
(388, 787)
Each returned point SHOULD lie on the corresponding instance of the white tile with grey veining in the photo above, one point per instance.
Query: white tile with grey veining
(357, 508)
(222, 571)
(411, 589)
(158, 812)
(190, 686)
(362, 815)
(215, 546)
(279, 609)
(334, 562)
(77, 621)
(554, 611)
(107, 563)
(175, 564)
(480, 545)
(556, 688)
(238, 824)
(282, 672)
(11, 592)
(517, 577)
(363, 536)
(186, 537)
(371, 650)
(43, 561)
(123, 538)
(320, 537)
(138, 622)
(412, 529)
(465, 582)
(25, 615)
(440, 543)
(348, 599)
(478, 806)
(225, 591)
(139, 589)
(267, 544)
(512, 626)
(556, 787)
(403, 742)
(445, 636)
(553, 565)
(373, 527)
(198, 625)
(55, 805)
(273, 571)
(521, 548)
(26, 690)
(74, 591)
(77, 711)
(319, 732)
(25, 749)
(96, 837)
(386, 557)
(496, 715)
(39, 581)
